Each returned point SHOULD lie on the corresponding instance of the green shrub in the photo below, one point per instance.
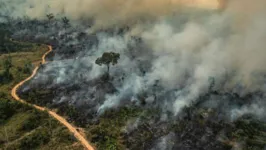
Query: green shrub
(27, 67)
(107, 133)
(33, 121)
(6, 110)
(38, 138)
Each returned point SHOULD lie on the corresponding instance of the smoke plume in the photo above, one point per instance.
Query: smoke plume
(185, 50)
(104, 13)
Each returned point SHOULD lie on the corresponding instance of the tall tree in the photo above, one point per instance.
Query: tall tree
(6, 75)
(107, 59)
(7, 63)
(65, 21)
(50, 16)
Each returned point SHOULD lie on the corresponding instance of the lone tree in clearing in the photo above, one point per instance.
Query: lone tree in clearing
(107, 59)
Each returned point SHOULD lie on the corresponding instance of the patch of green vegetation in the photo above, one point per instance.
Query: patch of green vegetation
(6, 110)
(8, 45)
(107, 133)
(10, 130)
(21, 125)
(33, 121)
(252, 132)
(17, 66)
(39, 137)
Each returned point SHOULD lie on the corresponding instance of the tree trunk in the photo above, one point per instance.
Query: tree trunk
(108, 68)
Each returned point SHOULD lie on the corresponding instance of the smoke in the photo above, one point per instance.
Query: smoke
(165, 142)
(105, 13)
(184, 52)
(200, 52)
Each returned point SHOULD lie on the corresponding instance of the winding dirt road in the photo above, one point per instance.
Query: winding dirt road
(62, 120)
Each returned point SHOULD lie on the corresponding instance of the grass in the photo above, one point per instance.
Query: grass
(19, 59)
(21, 126)
(12, 126)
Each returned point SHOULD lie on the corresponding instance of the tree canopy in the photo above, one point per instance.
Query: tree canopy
(65, 21)
(50, 16)
(107, 59)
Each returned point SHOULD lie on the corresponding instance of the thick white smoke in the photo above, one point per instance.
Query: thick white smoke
(182, 48)
(187, 54)
(105, 13)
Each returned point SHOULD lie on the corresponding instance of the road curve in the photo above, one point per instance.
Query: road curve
(62, 120)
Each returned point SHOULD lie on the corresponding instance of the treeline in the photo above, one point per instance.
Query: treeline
(5, 42)
(7, 45)
(5, 72)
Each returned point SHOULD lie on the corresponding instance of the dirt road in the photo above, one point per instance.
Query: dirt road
(70, 127)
